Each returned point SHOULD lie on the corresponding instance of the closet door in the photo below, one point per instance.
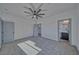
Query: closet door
(8, 32)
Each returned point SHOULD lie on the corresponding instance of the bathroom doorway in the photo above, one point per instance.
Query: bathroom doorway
(64, 30)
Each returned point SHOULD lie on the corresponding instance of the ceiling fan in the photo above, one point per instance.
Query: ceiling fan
(35, 12)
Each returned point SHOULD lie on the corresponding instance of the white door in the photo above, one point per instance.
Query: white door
(8, 32)
(37, 30)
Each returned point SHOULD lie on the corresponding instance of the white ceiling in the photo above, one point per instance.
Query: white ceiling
(18, 8)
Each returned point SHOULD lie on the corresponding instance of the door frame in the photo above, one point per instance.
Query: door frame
(37, 29)
(70, 30)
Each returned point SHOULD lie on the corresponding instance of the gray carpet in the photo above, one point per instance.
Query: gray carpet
(49, 47)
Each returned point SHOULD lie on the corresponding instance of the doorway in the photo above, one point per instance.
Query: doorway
(8, 32)
(64, 30)
(37, 30)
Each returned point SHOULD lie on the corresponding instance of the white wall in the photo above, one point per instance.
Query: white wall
(77, 26)
(50, 29)
(23, 27)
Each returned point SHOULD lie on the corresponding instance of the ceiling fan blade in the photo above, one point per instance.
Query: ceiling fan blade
(26, 7)
(41, 14)
(31, 10)
(33, 7)
(38, 11)
(39, 6)
(32, 17)
(27, 12)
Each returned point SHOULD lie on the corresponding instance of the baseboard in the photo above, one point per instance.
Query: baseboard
(48, 38)
(23, 38)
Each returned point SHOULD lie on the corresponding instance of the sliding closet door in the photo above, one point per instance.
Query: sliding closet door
(8, 29)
